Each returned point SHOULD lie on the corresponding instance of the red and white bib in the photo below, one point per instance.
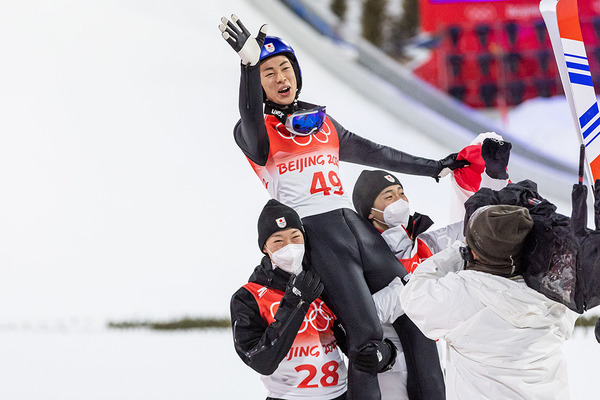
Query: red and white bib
(302, 172)
(313, 367)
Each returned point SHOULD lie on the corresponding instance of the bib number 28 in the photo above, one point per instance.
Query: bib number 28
(330, 376)
(321, 184)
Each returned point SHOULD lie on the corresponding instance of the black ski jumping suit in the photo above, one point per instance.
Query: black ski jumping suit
(348, 254)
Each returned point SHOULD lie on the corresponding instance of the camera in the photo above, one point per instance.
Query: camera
(466, 254)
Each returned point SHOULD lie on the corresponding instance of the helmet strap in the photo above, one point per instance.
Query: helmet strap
(279, 111)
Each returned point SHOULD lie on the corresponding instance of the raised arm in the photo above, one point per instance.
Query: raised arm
(250, 132)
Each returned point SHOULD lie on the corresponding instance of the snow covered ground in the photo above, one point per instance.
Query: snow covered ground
(125, 197)
(100, 365)
(137, 364)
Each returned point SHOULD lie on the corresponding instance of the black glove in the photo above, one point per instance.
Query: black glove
(303, 288)
(238, 37)
(597, 330)
(375, 357)
(450, 163)
(495, 153)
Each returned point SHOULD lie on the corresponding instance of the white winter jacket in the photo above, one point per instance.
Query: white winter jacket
(435, 240)
(503, 338)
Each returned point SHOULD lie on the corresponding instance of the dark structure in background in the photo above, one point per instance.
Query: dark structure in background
(497, 53)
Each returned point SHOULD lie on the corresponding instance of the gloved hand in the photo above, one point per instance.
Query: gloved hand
(375, 357)
(495, 153)
(450, 163)
(304, 287)
(238, 37)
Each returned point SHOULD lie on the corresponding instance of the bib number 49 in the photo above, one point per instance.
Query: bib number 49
(320, 185)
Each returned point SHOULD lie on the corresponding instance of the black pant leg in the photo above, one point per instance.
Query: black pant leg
(425, 380)
(380, 265)
(335, 258)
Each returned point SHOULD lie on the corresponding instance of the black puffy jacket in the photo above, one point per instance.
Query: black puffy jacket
(260, 345)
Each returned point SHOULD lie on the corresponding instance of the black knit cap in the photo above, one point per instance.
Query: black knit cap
(276, 217)
(368, 186)
(496, 233)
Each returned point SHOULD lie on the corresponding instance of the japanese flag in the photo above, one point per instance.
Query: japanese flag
(281, 222)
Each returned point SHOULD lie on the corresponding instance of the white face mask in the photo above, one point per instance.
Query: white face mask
(288, 258)
(396, 214)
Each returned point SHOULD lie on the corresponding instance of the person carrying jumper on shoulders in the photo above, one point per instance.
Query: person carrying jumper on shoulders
(379, 197)
(282, 328)
(295, 148)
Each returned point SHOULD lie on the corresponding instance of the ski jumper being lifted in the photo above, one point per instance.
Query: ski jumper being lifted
(295, 148)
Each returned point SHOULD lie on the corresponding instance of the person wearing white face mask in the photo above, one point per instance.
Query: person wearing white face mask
(289, 257)
(282, 328)
(379, 197)
(295, 148)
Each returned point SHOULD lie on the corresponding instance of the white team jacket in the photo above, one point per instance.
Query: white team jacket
(503, 338)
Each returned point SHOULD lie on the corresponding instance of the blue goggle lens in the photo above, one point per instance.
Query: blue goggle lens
(306, 122)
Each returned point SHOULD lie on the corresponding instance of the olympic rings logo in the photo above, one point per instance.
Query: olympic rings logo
(321, 136)
(317, 317)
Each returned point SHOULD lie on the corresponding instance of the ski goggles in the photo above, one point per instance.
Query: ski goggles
(306, 122)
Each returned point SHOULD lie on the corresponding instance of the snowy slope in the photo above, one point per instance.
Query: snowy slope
(548, 124)
(124, 195)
